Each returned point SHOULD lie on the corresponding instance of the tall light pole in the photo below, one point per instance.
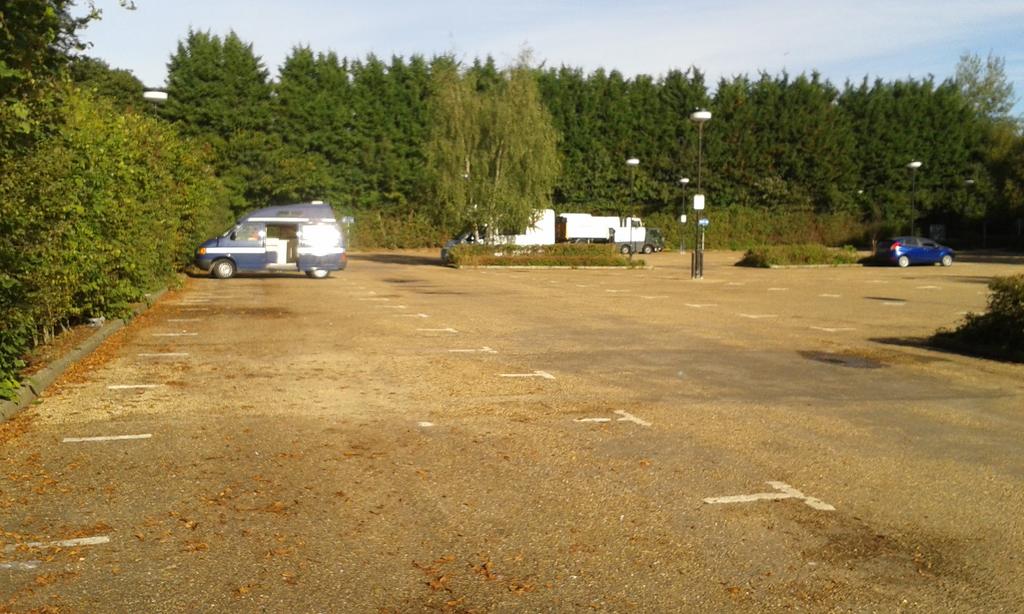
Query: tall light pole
(699, 117)
(632, 163)
(913, 166)
(984, 223)
(684, 181)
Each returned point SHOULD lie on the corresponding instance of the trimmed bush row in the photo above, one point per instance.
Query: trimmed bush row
(800, 254)
(999, 332)
(562, 254)
(104, 209)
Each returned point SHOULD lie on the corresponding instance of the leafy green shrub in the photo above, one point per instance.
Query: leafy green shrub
(103, 209)
(561, 254)
(997, 333)
(799, 254)
(391, 231)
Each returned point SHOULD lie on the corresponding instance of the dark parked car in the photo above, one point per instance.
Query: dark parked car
(905, 251)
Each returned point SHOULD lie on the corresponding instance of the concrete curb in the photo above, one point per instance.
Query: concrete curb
(814, 266)
(34, 386)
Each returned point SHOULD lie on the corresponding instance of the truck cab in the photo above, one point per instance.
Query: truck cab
(301, 237)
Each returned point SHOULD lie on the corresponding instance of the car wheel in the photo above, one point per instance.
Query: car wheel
(624, 249)
(648, 249)
(947, 260)
(318, 273)
(223, 269)
(903, 261)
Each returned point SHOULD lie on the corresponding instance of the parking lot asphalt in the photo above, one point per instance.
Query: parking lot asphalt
(407, 437)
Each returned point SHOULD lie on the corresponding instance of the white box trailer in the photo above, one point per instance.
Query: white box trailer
(627, 233)
(540, 232)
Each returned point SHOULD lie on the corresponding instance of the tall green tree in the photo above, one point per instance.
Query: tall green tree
(494, 150)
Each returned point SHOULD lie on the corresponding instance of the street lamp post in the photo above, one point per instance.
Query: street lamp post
(684, 181)
(913, 166)
(984, 222)
(632, 163)
(699, 117)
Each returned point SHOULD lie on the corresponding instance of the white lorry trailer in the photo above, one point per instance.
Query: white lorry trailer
(540, 232)
(628, 233)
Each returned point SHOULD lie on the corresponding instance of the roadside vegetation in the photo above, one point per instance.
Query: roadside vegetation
(562, 255)
(999, 332)
(799, 255)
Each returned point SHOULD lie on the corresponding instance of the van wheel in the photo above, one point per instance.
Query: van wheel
(648, 249)
(903, 262)
(625, 249)
(947, 260)
(318, 273)
(223, 269)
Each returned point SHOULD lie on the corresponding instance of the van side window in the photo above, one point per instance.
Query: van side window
(248, 232)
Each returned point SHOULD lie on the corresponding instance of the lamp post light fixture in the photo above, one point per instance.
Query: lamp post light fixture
(632, 163)
(699, 117)
(154, 95)
(683, 181)
(913, 166)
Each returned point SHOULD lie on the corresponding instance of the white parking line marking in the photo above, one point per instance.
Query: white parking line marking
(877, 281)
(777, 289)
(831, 330)
(65, 543)
(107, 438)
(543, 374)
(785, 492)
(894, 303)
(735, 283)
(830, 295)
(929, 287)
(133, 386)
(184, 319)
(394, 306)
(425, 424)
(582, 286)
(437, 330)
(700, 305)
(652, 297)
(483, 350)
(412, 315)
(757, 316)
(628, 417)
(21, 565)
(185, 334)
(162, 354)
(615, 291)
(379, 298)
(592, 420)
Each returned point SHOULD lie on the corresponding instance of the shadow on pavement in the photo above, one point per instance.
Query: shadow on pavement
(408, 259)
(982, 257)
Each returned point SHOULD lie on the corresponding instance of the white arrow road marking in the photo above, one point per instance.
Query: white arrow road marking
(107, 438)
(437, 330)
(757, 316)
(133, 386)
(831, 330)
(425, 424)
(785, 492)
(66, 543)
(628, 417)
(543, 374)
(483, 350)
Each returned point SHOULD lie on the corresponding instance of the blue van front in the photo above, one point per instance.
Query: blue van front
(302, 237)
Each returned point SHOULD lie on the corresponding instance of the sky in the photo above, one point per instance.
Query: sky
(843, 40)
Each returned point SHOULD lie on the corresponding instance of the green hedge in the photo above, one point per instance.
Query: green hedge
(737, 227)
(104, 209)
(997, 333)
(562, 254)
(801, 254)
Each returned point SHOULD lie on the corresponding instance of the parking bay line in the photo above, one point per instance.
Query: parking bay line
(183, 334)
(700, 305)
(412, 315)
(162, 354)
(437, 330)
(106, 438)
(133, 386)
(184, 319)
(21, 565)
(831, 330)
(483, 350)
(64, 543)
(757, 316)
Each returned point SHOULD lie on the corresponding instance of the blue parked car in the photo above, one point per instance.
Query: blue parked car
(905, 251)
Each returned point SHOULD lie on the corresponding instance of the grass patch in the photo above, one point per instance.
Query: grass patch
(799, 254)
(999, 332)
(562, 254)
